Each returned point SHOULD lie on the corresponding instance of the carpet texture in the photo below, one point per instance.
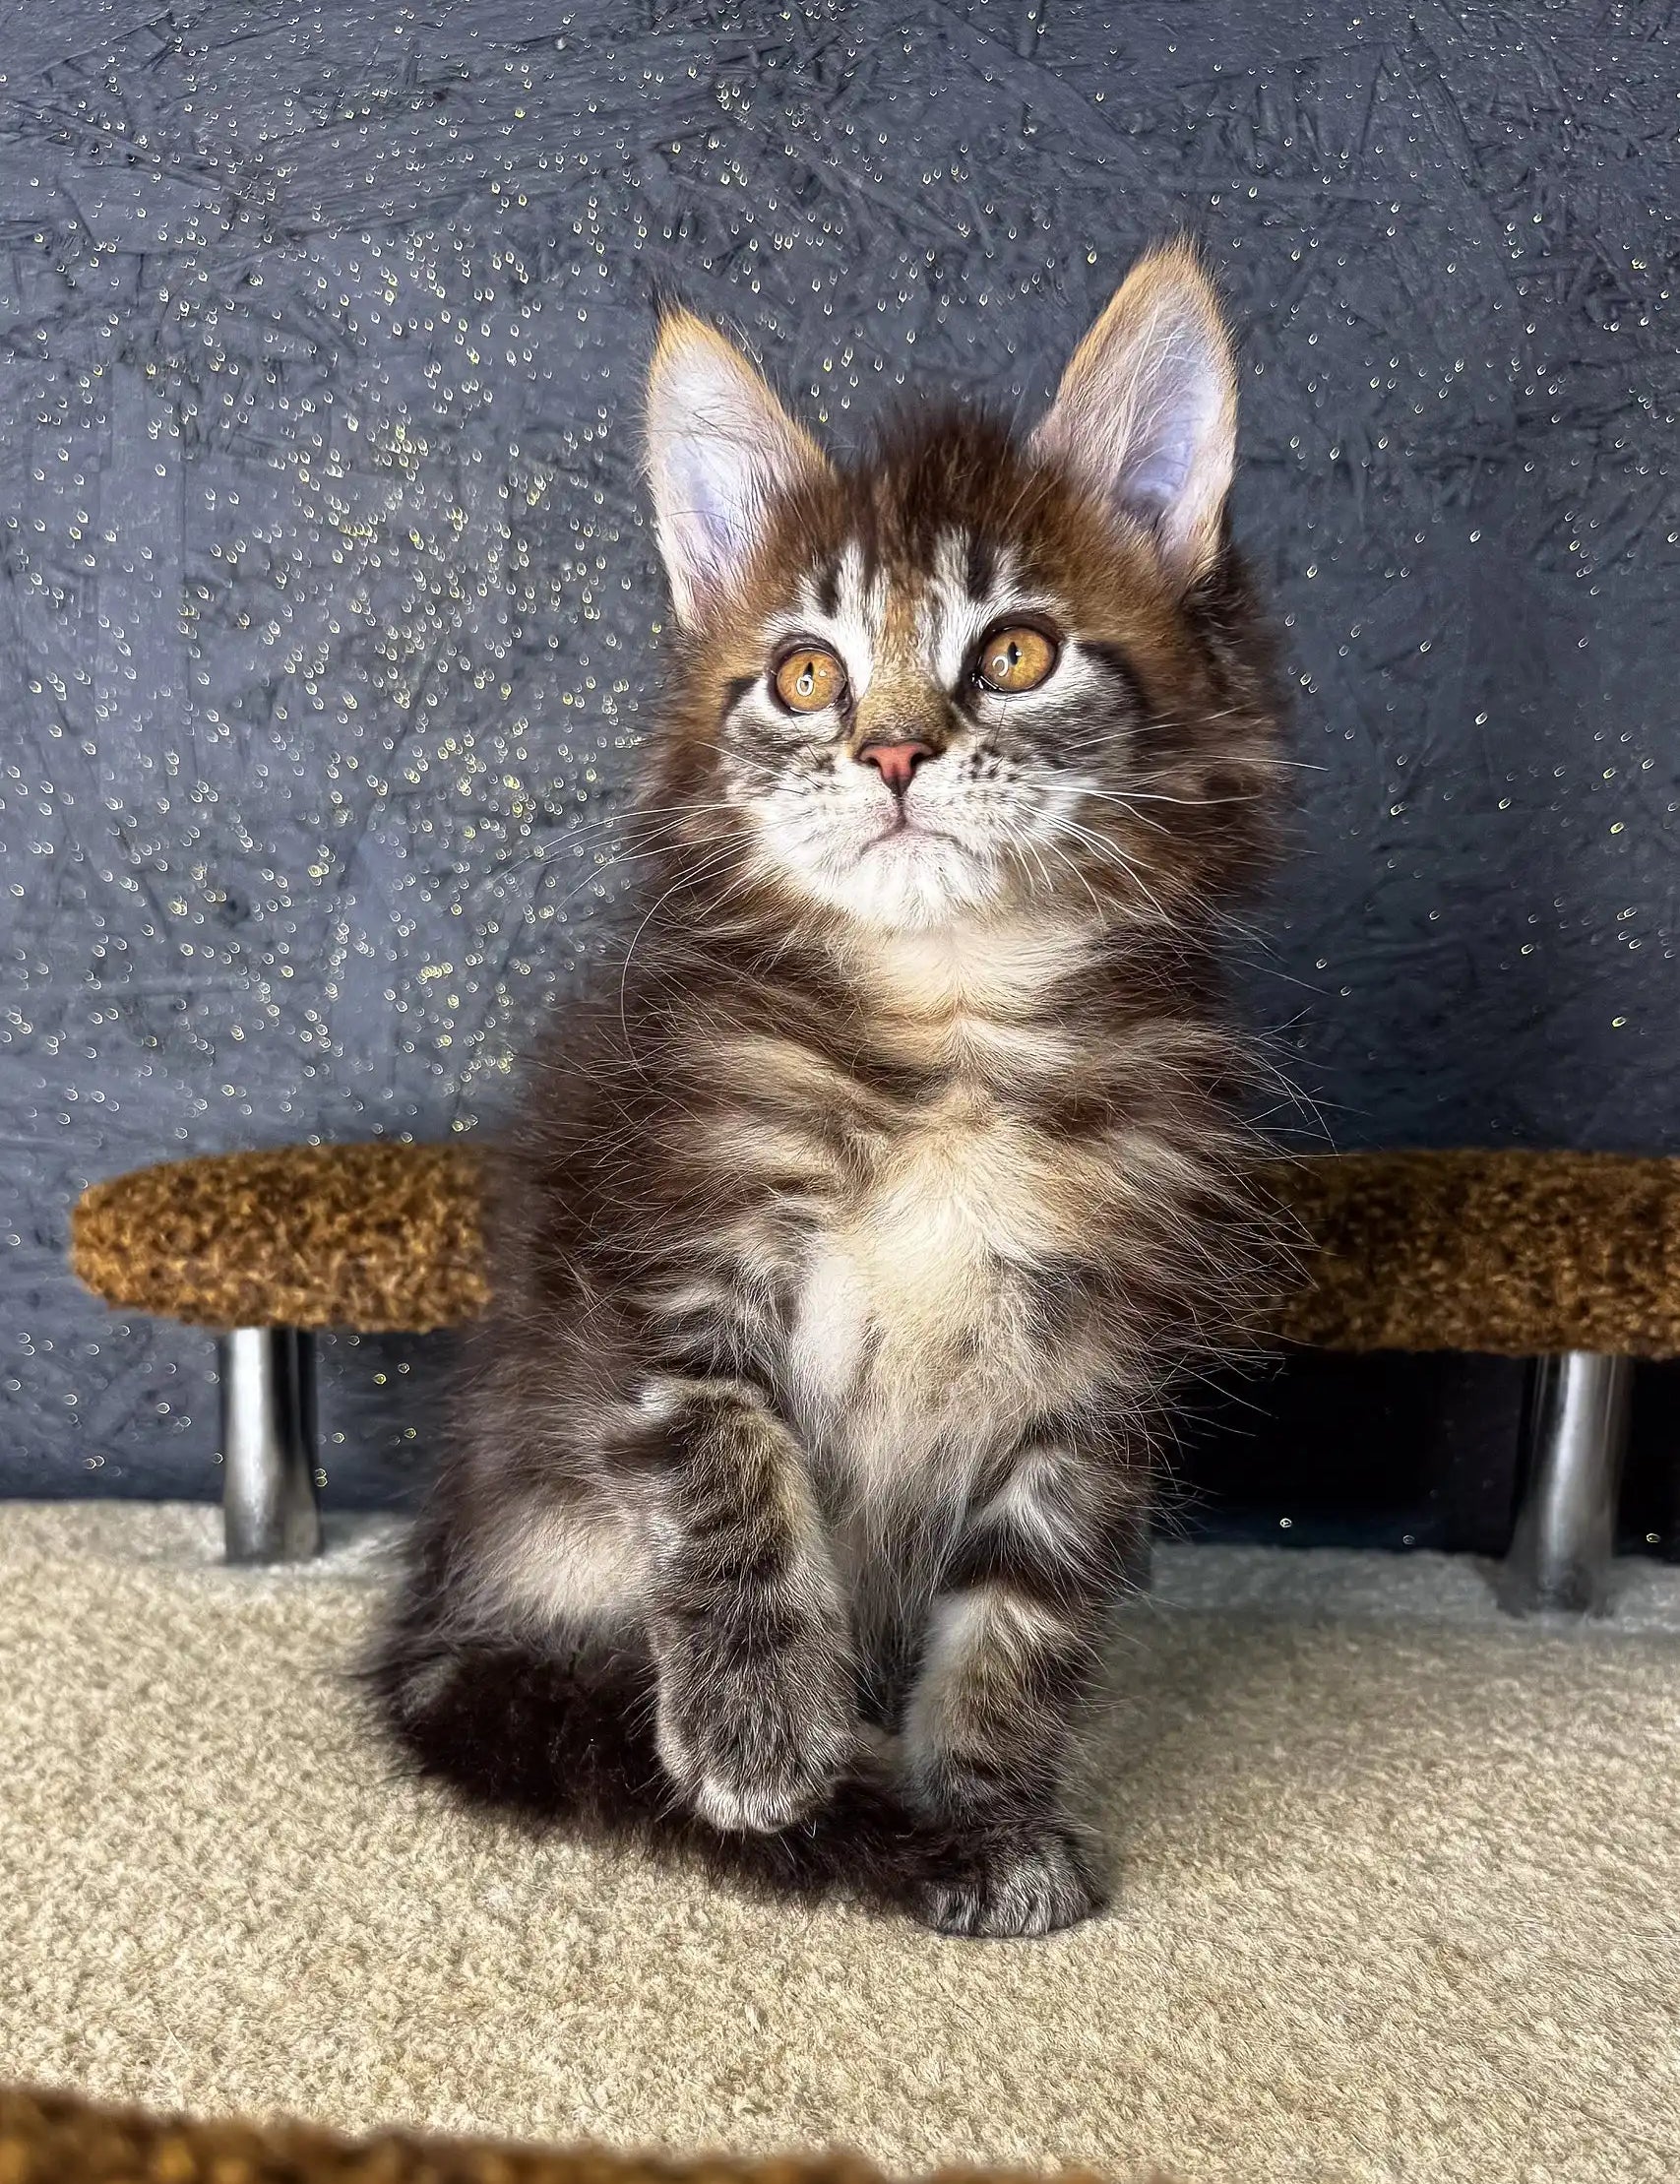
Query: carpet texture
(1399, 1897)
(1510, 1253)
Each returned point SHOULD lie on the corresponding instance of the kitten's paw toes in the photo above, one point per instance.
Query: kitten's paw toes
(1014, 1884)
(752, 1807)
(766, 1784)
(756, 1770)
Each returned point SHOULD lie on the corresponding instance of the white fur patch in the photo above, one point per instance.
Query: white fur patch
(559, 1569)
(990, 1622)
(1023, 1506)
(992, 969)
(911, 1348)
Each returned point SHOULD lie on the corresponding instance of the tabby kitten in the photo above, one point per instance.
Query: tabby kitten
(848, 1245)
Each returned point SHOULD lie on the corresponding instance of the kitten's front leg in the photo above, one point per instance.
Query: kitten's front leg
(750, 1633)
(1013, 1647)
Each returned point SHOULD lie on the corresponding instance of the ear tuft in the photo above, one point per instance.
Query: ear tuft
(721, 449)
(1145, 413)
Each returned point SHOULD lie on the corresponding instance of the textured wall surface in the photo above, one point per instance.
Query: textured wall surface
(328, 607)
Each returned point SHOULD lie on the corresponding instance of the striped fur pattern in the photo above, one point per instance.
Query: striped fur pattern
(852, 1240)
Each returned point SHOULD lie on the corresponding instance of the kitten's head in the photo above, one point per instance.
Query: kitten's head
(969, 672)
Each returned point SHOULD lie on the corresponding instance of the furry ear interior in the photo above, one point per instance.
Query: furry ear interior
(721, 450)
(1145, 413)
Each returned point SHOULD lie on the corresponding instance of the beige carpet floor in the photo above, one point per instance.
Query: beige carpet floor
(1400, 1897)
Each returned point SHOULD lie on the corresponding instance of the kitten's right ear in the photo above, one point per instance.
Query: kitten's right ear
(720, 450)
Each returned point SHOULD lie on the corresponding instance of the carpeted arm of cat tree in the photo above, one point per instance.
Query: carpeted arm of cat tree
(58, 2138)
(1514, 1253)
(382, 1237)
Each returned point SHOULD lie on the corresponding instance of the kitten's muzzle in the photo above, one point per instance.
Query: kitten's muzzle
(896, 763)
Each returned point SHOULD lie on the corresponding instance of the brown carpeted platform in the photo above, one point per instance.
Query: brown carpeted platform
(1511, 1253)
(54, 2138)
(384, 1237)
(1398, 1902)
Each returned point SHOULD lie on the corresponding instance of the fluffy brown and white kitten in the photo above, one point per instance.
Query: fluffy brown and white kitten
(848, 1245)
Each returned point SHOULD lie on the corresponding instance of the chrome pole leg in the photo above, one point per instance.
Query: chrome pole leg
(267, 1445)
(1566, 1527)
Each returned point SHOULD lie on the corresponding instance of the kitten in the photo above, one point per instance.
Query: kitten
(847, 1247)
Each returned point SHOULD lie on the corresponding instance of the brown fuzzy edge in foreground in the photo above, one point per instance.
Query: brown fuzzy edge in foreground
(58, 2138)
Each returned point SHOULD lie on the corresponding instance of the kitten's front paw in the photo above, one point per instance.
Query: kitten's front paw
(756, 1746)
(1008, 1884)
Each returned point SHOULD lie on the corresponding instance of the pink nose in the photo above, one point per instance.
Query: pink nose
(896, 763)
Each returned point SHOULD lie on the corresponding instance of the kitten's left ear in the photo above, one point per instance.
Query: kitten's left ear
(1147, 409)
(720, 450)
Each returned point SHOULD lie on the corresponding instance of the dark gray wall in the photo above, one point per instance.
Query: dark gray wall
(328, 603)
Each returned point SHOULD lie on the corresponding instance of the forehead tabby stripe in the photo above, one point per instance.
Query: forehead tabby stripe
(982, 566)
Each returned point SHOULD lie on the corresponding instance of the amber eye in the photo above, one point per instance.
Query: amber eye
(1015, 657)
(810, 680)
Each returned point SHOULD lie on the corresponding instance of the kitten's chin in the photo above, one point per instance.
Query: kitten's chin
(902, 881)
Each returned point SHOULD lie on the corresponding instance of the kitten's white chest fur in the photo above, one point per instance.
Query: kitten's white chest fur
(908, 1285)
(914, 1333)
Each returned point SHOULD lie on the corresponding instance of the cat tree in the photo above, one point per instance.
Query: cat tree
(1569, 1259)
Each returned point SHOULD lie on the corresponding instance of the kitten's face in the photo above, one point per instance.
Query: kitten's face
(957, 676)
(933, 713)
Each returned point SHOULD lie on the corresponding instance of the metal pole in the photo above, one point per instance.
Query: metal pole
(1566, 1527)
(267, 1445)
